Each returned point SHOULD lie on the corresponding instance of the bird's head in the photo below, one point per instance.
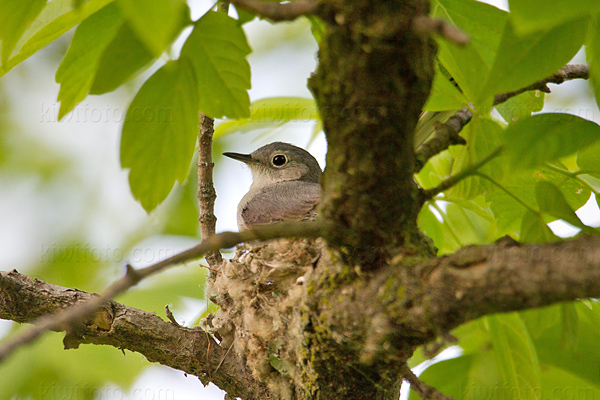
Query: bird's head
(279, 162)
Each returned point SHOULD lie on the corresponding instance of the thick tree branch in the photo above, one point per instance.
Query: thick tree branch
(24, 299)
(73, 316)
(500, 277)
(206, 189)
(278, 11)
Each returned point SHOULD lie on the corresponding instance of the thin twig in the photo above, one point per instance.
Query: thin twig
(465, 173)
(425, 24)
(278, 11)
(445, 135)
(423, 390)
(569, 72)
(206, 189)
(71, 317)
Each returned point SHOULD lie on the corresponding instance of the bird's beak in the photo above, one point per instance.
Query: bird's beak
(245, 158)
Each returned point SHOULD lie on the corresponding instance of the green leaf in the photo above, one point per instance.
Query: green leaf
(545, 137)
(465, 65)
(588, 158)
(468, 377)
(444, 95)
(156, 22)
(521, 106)
(570, 323)
(244, 16)
(482, 22)
(217, 49)
(56, 18)
(551, 201)
(579, 360)
(534, 15)
(535, 230)
(15, 16)
(159, 133)
(518, 65)
(77, 70)
(592, 52)
(470, 65)
(317, 27)
(483, 136)
(509, 210)
(123, 57)
(272, 111)
(515, 354)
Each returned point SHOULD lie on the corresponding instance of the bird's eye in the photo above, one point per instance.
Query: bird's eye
(279, 160)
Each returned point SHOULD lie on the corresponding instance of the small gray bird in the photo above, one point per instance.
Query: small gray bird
(285, 185)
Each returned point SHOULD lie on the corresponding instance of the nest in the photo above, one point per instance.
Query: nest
(260, 292)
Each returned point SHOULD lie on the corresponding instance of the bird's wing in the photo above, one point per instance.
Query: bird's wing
(288, 201)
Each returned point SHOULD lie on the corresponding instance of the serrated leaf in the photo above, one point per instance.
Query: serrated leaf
(217, 49)
(317, 27)
(592, 52)
(244, 16)
(534, 15)
(535, 230)
(521, 106)
(545, 137)
(159, 133)
(56, 18)
(77, 70)
(123, 57)
(15, 16)
(551, 201)
(518, 65)
(515, 355)
(272, 111)
(156, 22)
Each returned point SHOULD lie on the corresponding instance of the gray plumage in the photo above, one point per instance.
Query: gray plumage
(285, 185)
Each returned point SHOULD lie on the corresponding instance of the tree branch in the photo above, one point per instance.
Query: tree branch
(425, 391)
(569, 72)
(500, 277)
(446, 135)
(426, 24)
(206, 189)
(72, 317)
(24, 299)
(278, 11)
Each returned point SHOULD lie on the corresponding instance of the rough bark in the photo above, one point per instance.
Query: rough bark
(374, 76)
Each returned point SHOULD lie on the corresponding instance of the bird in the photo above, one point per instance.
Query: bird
(285, 185)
